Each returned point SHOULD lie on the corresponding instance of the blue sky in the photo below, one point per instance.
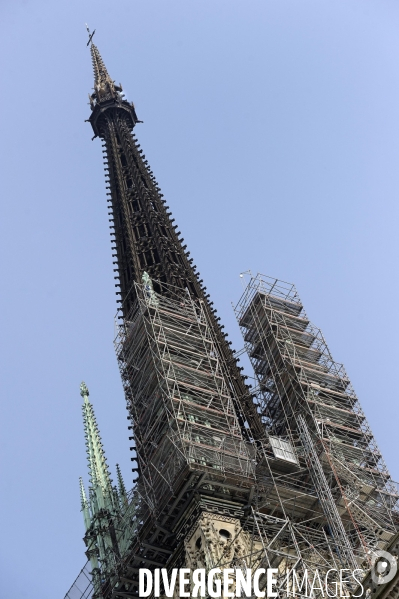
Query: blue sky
(272, 127)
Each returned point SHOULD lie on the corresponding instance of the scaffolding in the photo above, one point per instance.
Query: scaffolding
(305, 399)
(178, 395)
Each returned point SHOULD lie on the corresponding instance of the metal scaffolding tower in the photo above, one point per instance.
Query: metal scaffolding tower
(306, 400)
(178, 396)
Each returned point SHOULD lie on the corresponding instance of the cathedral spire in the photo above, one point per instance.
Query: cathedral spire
(147, 245)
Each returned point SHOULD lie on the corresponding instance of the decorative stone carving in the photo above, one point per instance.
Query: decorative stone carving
(217, 541)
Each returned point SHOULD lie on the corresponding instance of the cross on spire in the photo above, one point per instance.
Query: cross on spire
(90, 34)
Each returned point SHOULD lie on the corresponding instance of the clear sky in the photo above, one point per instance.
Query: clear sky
(272, 127)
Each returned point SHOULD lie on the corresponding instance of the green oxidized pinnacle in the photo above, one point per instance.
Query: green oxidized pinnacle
(104, 504)
(121, 486)
(92, 554)
(85, 504)
(100, 478)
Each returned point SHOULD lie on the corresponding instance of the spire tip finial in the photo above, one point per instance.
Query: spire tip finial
(90, 34)
(83, 389)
